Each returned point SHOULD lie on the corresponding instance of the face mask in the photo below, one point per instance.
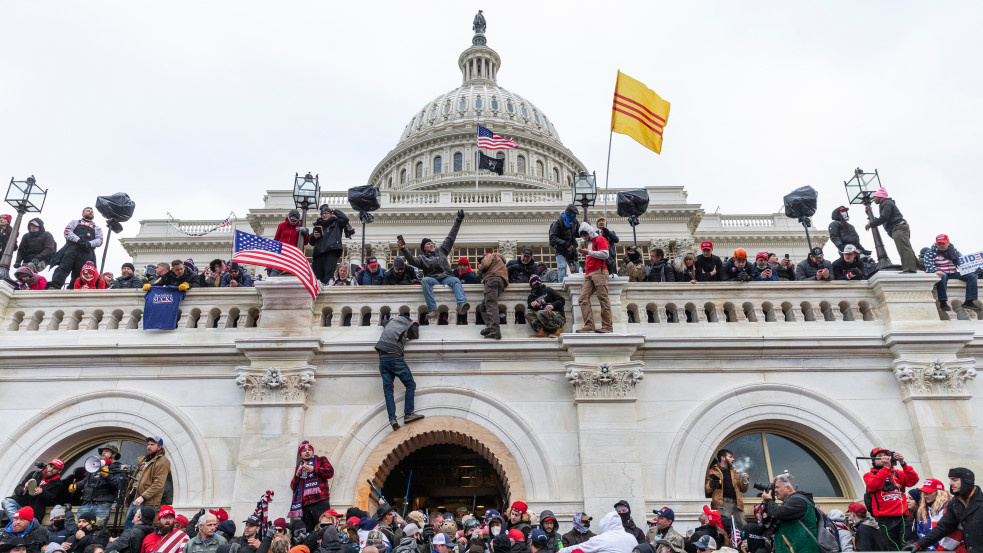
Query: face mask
(57, 524)
(845, 215)
(496, 530)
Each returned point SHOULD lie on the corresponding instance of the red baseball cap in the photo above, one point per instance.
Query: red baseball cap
(857, 508)
(351, 522)
(931, 485)
(331, 512)
(182, 520)
(164, 511)
(517, 535)
(878, 450)
(57, 463)
(942, 238)
(708, 245)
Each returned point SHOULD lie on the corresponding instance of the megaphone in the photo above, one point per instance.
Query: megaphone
(93, 464)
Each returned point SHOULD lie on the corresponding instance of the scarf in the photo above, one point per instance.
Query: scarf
(568, 219)
(577, 525)
(307, 486)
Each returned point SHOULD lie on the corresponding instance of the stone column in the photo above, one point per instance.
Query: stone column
(380, 250)
(275, 383)
(604, 378)
(572, 285)
(354, 253)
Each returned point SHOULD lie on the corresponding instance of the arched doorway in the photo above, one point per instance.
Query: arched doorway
(445, 477)
(492, 471)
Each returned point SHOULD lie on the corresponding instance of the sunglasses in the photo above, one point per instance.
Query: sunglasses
(280, 530)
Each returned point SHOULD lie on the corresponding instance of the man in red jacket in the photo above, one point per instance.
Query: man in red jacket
(886, 497)
(310, 486)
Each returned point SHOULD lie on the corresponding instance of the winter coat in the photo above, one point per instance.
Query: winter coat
(670, 535)
(612, 239)
(131, 540)
(806, 269)
(739, 274)
(40, 245)
(891, 503)
(396, 331)
(468, 276)
(519, 271)
(99, 488)
(717, 533)
(5, 236)
(612, 539)
(791, 537)
(50, 494)
(391, 278)
(407, 545)
(435, 264)
(195, 545)
(561, 238)
(171, 279)
(717, 495)
(290, 234)
(552, 538)
(634, 270)
(705, 265)
(493, 265)
(951, 253)
(331, 233)
(350, 281)
(660, 272)
(124, 282)
(922, 528)
(759, 272)
(866, 535)
(67, 529)
(244, 279)
(842, 233)
(782, 272)
(151, 475)
(546, 296)
(80, 230)
(966, 514)
(841, 269)
(524, 525)
(34, 282)
(889, 216)
(36, 536)
(574, 538)
(94, 282)
(324, 472)
(365, 277)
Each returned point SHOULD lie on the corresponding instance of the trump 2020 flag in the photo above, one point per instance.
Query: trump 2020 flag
(161, 306)
(256, 250)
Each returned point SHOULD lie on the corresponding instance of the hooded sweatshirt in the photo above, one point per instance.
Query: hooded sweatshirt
(35, 282)
(628, 523)
(842, 233)
(39, 244)
(90, 278)
(598, 251)
(612, 539)
(553, 543)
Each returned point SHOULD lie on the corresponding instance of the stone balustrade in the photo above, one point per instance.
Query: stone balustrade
(641, 308)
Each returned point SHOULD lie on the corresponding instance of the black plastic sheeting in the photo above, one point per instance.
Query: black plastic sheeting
(364, 199)
(116, 208)
(801, 202)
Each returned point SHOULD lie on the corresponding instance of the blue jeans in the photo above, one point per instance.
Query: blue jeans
(133, 509)
(392, 367)
(99, 510)
(969, 279)
(452, 281)
(562, 267)
(10, 506)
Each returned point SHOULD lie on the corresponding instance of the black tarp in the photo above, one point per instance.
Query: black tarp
(801, 203)
(116, 208)
(364, 199)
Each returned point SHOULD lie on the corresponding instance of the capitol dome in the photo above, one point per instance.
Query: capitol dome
(437, 149)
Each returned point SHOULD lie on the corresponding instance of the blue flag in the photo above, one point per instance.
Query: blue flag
(160, 307)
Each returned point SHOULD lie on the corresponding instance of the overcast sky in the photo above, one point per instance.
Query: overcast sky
(198, 108)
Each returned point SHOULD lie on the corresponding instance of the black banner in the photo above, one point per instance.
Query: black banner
(492, 164)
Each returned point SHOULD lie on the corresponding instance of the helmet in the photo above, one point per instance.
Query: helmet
(740, 253)
(111, 447)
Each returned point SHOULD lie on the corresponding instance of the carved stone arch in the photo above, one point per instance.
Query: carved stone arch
(465, 417)
(59, 426)
(840, 432)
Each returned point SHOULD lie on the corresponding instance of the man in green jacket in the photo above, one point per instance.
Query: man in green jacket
(798, 526)
(207, 541)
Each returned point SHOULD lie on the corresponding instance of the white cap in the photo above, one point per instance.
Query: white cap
(440, 539)
(850, 248)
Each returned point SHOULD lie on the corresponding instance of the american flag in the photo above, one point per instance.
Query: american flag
(256, 250)
(490, 140)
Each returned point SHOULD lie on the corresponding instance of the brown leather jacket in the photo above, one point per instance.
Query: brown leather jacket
(493, 265)
(717, 495)
(151, 479)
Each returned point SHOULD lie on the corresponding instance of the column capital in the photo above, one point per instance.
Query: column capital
(275, 386)
(605, 382)
(936, 379)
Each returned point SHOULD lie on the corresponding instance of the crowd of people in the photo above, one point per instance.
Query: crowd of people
(930, 516)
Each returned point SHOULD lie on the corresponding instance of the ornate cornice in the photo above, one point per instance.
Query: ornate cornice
(276, 386)
(935, 379)
(605, 382)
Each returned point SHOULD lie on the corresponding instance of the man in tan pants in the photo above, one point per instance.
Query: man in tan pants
(595, 280)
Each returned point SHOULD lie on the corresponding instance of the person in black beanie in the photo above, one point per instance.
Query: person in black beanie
(127, 278)
(624, 511)
(965, 511)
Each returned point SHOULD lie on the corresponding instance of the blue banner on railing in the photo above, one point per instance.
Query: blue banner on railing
(161, 306)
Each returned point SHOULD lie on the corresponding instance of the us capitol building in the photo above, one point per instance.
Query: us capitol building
(797, 376)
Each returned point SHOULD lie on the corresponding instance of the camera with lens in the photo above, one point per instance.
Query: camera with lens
(40, 465)
(348, 230)
(764, 488)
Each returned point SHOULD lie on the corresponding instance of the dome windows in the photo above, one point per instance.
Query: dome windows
(433, 113)
(458, 162)
(419, 169)
(524, 112)
(478, 103)
(520, 163)
(462, 105)
(447, 107)
(539, 168)
(494, 103)
(556, 175)
(536, 116)
(402, 177)
(546, 123)
(509, 107)
(437, 165)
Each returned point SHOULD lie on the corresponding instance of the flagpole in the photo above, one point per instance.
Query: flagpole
(477, 157)
(607, 175)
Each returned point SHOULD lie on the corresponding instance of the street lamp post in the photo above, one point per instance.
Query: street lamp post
(307, 192)
(585, 191)
(26, 197)
(860, 191)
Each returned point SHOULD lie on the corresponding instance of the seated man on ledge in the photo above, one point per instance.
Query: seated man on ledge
(436, 269)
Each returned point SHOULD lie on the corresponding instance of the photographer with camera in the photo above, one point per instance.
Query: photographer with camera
(885, 497)
(39, 490)
(99, 489)
(326, 239)
(798, 526)
(814, 267)
(725, 487)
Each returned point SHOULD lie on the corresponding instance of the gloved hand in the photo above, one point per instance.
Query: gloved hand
(146, 287)
(460, 214)
(428, 532)
(910, 547)
(104, 471)
(715, 485)
(84, 246)
(304, 230)
(183, 286)
(270, 532)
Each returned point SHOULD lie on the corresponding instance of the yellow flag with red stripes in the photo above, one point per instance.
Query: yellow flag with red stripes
(639, 112)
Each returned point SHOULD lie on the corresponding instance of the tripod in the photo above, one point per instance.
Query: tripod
(121, 503)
